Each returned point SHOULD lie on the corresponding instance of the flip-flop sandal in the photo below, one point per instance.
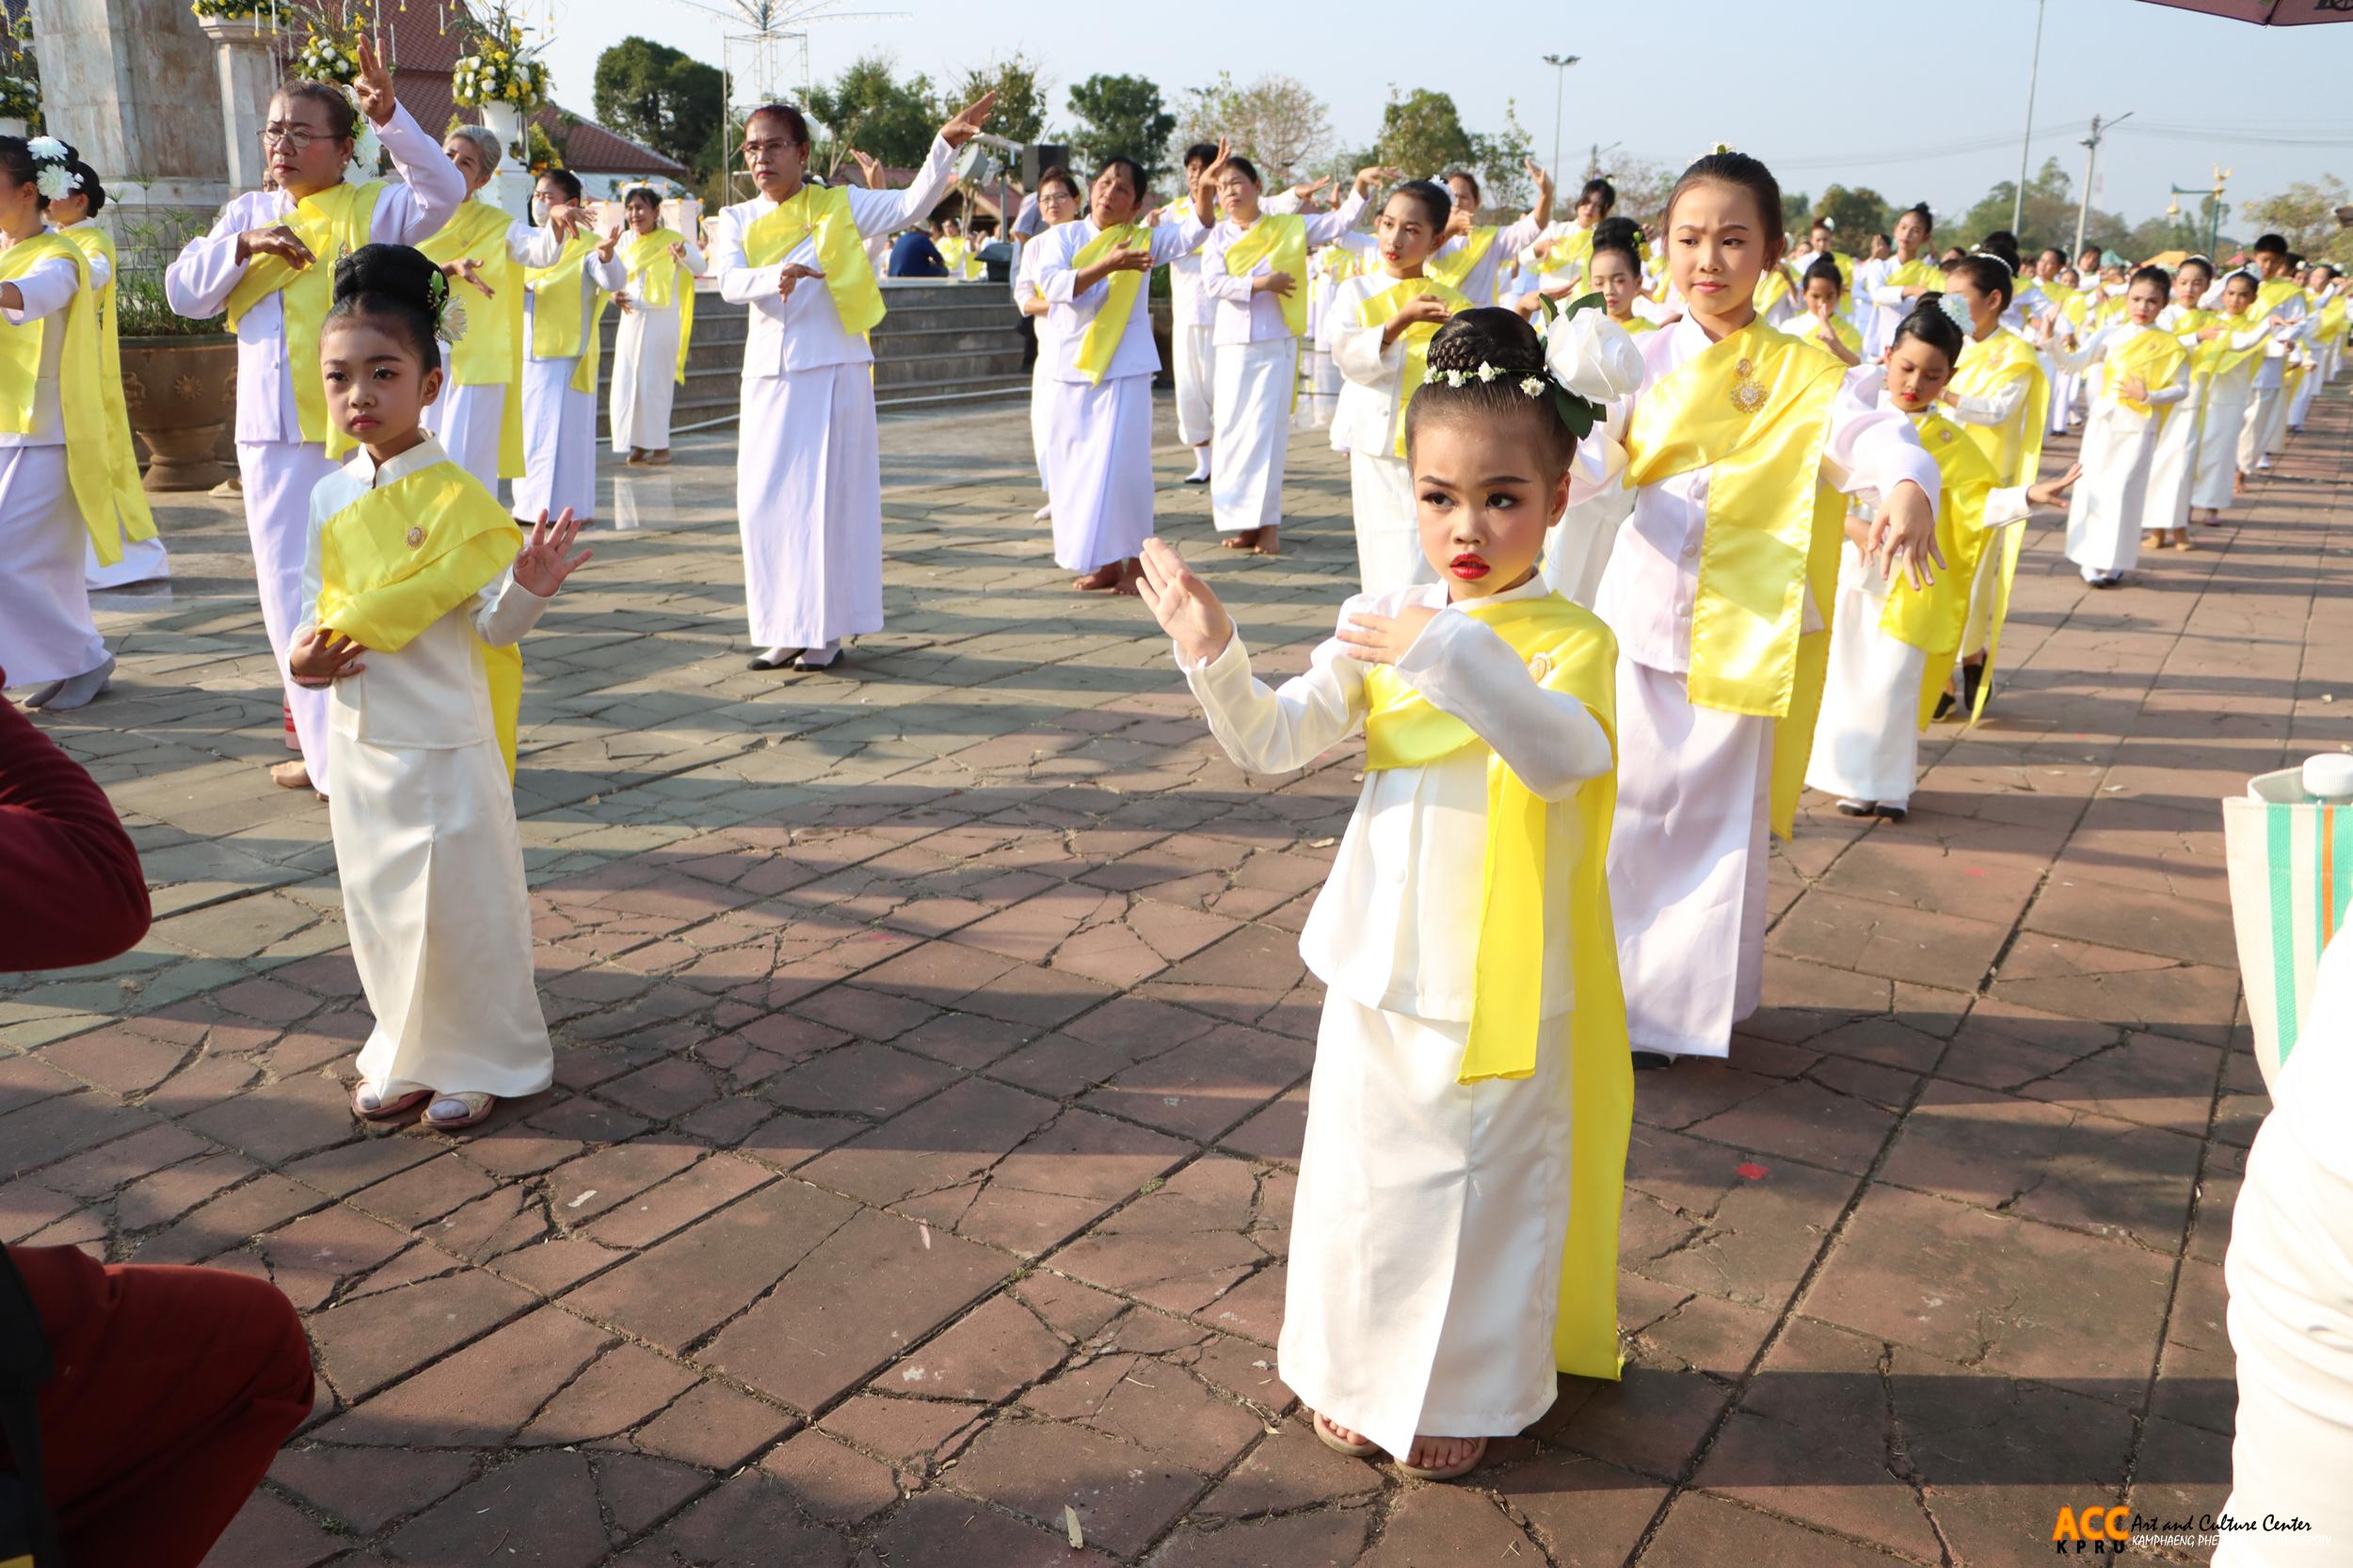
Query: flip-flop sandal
(1331, 1440)
(1451, 1472)
(388, 1109)
(478, 1108)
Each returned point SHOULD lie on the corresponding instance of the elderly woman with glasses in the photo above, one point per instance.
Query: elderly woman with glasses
(269, 262)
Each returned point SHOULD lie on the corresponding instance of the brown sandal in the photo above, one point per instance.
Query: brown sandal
(1331, 1439)
(478, 1108)
(1449, 1472)
(388, 1109)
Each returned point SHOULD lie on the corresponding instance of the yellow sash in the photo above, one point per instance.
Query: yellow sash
(2152, 356)
(1806, 328)
(1454, 268)
(656, 277)
(2218, 358)
(953, 249)
(1280, 240)
(2015, 451)
(490, 353)
(1638, 324)
(122, 459)
(1104, 335)
(89, 462)
(1772, 289)
(1933, 618)
(2191, 321)
(2270, 297)
(1754, 410)
(824, 212)
(400, 557)
(1921, 272)
(2332, 319)
(333, 223)
(1377, 311)
(555, 325)
(1572, 248)
(1569, 651)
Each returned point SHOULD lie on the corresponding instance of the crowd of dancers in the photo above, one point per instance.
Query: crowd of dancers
(1655, 527)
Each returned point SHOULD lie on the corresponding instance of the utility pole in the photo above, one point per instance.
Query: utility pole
(2025, 142)
(1560, 64)
(2091, 168)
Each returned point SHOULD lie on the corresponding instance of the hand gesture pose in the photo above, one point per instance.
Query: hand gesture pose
(623, 300)
(1129, 258)
(541, 566)
(1277, 283)
(869, 169)
(466, 270)
(1373, 174)
(2050, 493)
(373, 86)
(1542, 177)
(321, 657)
(609, 242)
(1383, 639)
(1183, 605)
(965, 125)
(1306, 188)
(2132, 389)
(275, 239)
(1907, 536)
(792, 273)
(678, 251)
(1417, 311)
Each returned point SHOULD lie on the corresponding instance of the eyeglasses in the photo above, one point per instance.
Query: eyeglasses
(295, 137)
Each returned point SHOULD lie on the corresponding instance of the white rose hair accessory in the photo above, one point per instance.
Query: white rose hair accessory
(1956, 310)
(48, 150)
(54, 181)
(367, 150)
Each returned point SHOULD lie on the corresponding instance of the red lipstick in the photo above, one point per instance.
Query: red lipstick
(1469, 567)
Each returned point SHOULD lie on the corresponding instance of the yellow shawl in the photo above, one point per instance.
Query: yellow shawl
(333, 223)
(489, 352)
(1105, 333)
(656, 277)
(1280, 240)
(122, 460)
(822, 211)
(556, 332)
(2015, 451)
(1377, 311)
(1933, 618)
(88, 464)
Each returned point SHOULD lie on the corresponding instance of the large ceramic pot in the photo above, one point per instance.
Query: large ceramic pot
(181, 393)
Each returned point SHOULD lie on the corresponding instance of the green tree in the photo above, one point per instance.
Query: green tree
(2047, 218)
(1121, 116)
(1855, 215)
(1021, 89)
(1281, 126)
(661, 97)
(1422, 134)
(2305, 216)
(1503, 158)
(867, 107)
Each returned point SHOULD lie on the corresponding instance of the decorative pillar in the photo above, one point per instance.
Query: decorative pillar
(245, 58)
(510, 188)
(115, 81)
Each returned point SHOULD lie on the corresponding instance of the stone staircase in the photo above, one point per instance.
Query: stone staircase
(942, 345)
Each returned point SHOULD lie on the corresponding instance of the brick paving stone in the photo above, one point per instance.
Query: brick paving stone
(368, 1488)
(268, 1533)
(945, 1530)
(481, 1396)
(1447, 1526)
(1327, 1538)
(829, 1480)
(1124, 1495)
(540, 1510)
(713, 1427)
(361, 1345)
(990, 1356)
(1702, 1531)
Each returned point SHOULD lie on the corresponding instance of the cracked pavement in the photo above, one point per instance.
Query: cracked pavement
(932, 1051)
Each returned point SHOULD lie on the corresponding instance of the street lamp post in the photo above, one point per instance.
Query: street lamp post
(2091, 170)
(2214, 205)
(2025, 142)
(1560, 64)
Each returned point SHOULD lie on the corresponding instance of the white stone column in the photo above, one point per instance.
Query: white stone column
(244, 58)
(510, 188)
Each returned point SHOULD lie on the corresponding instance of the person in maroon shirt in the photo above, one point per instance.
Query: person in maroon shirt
(139, 1404)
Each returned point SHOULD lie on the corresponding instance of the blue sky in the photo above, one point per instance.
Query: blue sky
(1858, 95)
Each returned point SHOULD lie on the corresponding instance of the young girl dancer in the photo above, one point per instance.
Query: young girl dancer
(563, 313)
(1891, 645)
(2146, 374)
(1455, 1229)
(1821, 324)
(2227, 362)
(1253, 266)
(266, 262)
(1383, 323)
(657, 329)
(1057, 204)
(1098, 444)
(1471, 259)
(1578, 551)
(57, 487)
(1915, 271)
(143, 558)
(2173, 466)
(415, 594)
(1719, 590)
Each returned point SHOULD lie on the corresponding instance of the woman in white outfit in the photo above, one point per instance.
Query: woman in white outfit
(561, 349)
(258, 262)
(657, 315)
(1057, 204)
(2229, 365)
(809, 474)
(2147, 374)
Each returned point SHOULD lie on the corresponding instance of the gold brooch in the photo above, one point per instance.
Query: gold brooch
(416, 537)
(1944, 435)
(1748, 393)
(1539, 666)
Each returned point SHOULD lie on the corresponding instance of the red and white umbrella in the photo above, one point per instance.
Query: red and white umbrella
(2268, 13)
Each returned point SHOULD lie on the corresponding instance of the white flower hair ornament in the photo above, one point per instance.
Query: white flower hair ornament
(55, 181)
(48, 150)
(367, 150)
(1956, 310)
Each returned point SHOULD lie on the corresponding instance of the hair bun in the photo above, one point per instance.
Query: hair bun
(1487, 335)
(397, 271)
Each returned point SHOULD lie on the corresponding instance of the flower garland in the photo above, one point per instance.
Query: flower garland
(19, 97)
(500, 71)
(230, 10)
(326, 60)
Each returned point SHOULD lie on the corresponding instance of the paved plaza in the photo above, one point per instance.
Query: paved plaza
(932, 1057)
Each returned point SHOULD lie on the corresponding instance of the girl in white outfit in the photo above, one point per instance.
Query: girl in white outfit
(657, 317)
(2146, 376)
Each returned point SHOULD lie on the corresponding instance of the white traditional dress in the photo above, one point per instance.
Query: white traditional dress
(1688, 860)
(1473, 262)
(46, 632)
(279, 463)
(808, 473)
(1367, 426)
(1190, 313)
(1042, 370)
(1425, 1271)
(2173, 463)
(426, 842)
(1257, 372)
(2110, 503)
(2266, 429)
(2229, 390)
(1098, 436)
(645, 352)
(469, 418)
(560, 414)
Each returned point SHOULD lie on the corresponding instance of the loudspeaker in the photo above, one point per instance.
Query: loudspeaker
(1037, 159)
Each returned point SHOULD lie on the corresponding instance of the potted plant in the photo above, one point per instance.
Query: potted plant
(505, 78)
(179, 383)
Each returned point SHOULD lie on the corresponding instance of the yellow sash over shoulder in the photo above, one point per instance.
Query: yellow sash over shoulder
(1378, 309)
(2014, 449)
(1754, 411)
(131, 514)
(1934, 618)
(1453, 267)
(557, 330)
(656, 278)
(1104, 335)
(490, 353)
(2152, 356)
(400, 557)
(88, 460)
(333, 223)
(1567, 650)
(1280, 240)
(1921, 272)
(822, 213)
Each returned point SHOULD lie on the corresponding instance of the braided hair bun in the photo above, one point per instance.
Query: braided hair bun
(397, 287)
(1494, 351)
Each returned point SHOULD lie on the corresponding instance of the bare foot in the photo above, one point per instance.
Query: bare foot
(1102, 580)
(1446, 1456)
(290, 775)
(1130, 573)
(1246, 539)
(2238, 484)
(660, 457)
(1352, 1439)
(1268, 544)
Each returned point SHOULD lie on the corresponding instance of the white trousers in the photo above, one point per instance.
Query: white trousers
(808, 500)
(468, 422)
(2290, 1273)
(2302, 406)
(1099, 454)
(1388, 531)
(1687, 864)
(278, 477)
(46, 632)
(1866, 745)
(644, 379)
(559, 443)
(434, 901)
(1196, 357)
(1425, 1267)
(1251, 400)
(143, 561)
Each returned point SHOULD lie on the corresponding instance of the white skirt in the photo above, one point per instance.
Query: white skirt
(809, 497)
(559, 443)
(2104, 514)
(1866, 743)
(1195, 354)
(1687, 864)
(644, 379)
(1041, 418)
(278, 478)
(1388, 531)
(434, 901)
(1099, 452)
(46, 632)
(2173, 465)
(143, 561)
(2266, 417)
(2218, 441)
(1254, 383)
(1425, 1266)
